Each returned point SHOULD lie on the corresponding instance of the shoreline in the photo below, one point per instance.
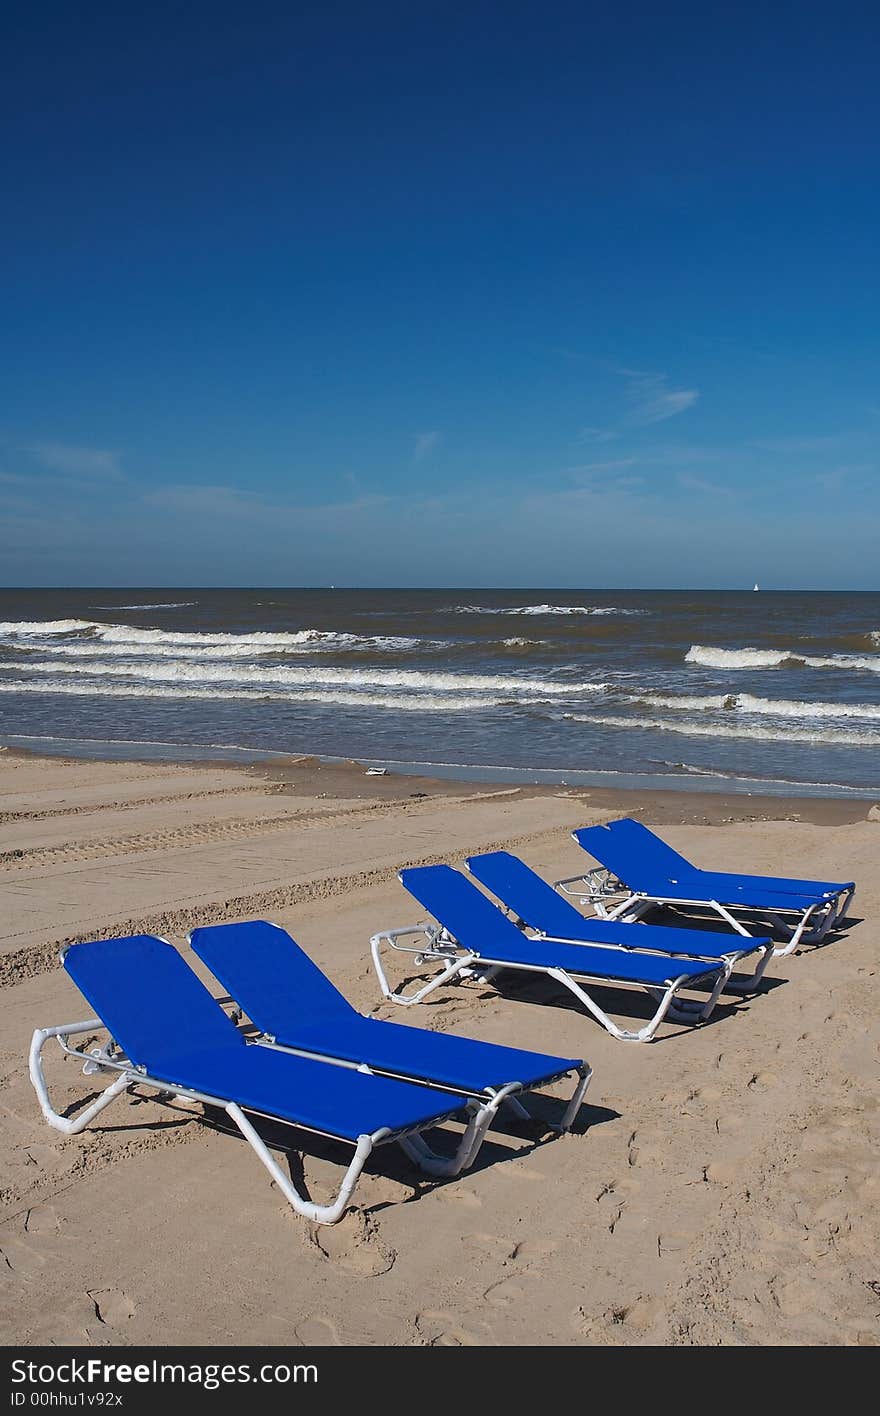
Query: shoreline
(814, 800)
(328, 777)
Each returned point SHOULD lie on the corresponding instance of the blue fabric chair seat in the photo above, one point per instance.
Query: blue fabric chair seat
(539, 906)
(288, 997)
(167, 1022)
(335, 1100)
(433, 1057)
(481, 928)
(649, 866)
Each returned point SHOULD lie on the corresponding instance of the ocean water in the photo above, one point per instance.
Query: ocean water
(780, 690)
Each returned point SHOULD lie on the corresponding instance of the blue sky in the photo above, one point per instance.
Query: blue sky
(496, 294)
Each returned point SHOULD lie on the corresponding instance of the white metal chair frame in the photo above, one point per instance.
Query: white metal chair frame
(597, 887)
(508, 1095)
(108, 1060)
(461, 964)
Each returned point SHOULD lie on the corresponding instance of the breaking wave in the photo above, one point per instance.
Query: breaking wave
(714, 658)
(423, 703)
(288, 675)
(543, 610)
(752, 703)
(96, 638)
(28, 627)
(851, 738)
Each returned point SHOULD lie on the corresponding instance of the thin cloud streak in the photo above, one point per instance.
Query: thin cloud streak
(89, 463)
(426, 443)
(653, 401)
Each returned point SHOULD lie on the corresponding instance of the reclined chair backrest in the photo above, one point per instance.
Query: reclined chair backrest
(635, 855)
(149, 999)
(651, 846)
(269, 975)
(518, 887)
(462, 909)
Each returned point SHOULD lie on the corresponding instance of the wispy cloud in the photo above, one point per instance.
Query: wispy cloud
(90, 463)
(704, 486)
(425, 444)
(807, 444)
(238, 506)
(597, 435)
(616, 464)
(615, 475)
(648, 398)
(653, 400)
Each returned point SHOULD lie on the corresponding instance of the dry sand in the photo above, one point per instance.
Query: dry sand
(721, 1187)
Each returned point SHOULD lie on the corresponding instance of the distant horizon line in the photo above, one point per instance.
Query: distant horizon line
(485, 589)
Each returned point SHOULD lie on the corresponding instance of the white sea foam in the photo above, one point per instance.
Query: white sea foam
(29, 627)
(752, 703)
(543, 610)
(686, 702)
(258, 639)
(421, 703)
(715, 658)
(131, 634)
(753, 731)
(416, 680)
(124, 638)
(160, 605)
(136, 651)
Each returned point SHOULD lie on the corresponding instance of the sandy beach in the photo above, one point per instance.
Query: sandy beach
(720, 1186)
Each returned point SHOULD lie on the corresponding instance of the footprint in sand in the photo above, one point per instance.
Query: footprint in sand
(521, 1171)
(440, 1329)
(761, 1080)
(729, 1123)
(375, 1190)
(457, 1195)
(531, 1250)
(641, 1315)
(504, 1292)
(318, 1332)
(723, 1172)
(596, 1331)
(72, 1325)
(490, 1244)
(353, 1245)
(673, 1241)
(112, 1305)
(456, 1337)
(25, 1260)
(42, 1219)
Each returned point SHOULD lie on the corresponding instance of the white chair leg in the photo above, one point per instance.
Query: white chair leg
(644, 1034)
(797, 935)
(407, 999)
(319, 1214)
(70, 1126)
(748, 985)
(445, 1167)
(585, 1075)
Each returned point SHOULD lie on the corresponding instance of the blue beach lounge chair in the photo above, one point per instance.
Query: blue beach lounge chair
(472, 936)
(296, 1007)
(646, 871)
(536, 905)
(168, 1033)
